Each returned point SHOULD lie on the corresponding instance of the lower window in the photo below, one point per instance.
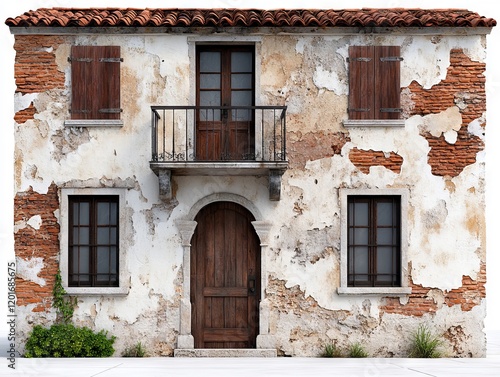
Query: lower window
(93, 247)
(374, 241)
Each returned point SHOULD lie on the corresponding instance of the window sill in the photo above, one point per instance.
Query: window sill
(373, 123)
(96, 291)
(379, 291)
(93, 123)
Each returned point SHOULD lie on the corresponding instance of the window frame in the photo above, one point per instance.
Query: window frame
(344, 288)
(92, 226)
(83, 64)
(123, 275)
(370, 86)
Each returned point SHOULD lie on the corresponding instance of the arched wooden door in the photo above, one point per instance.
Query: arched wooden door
(225, 278)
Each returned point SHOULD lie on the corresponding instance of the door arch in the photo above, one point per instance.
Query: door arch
(225, 277)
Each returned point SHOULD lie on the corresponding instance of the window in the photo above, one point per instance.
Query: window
(93, 248)
(93, 241)
(373, 241)
(374, 85)
(95, 85)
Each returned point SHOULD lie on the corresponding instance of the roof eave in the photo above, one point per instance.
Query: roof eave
(242, 30)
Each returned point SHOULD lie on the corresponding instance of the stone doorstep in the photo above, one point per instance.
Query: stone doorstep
(225, 352)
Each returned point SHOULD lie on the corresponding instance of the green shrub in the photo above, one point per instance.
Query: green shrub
(331, 350)
(357, 350)
(425, 344)
(66, 340)
(134, 351)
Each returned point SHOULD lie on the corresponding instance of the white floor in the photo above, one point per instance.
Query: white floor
(256, 367)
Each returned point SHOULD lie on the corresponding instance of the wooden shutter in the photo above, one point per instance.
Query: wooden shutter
(95, 82)
(387, 82)
(374, 82)
(361, 73)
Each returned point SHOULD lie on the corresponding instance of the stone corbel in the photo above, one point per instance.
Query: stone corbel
(164, 181)
(275, 184)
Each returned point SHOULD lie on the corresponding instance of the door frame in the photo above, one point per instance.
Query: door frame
(186, 227)
(227, 148)
(253, 40)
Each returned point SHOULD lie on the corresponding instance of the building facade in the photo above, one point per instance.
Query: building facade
(254, 180)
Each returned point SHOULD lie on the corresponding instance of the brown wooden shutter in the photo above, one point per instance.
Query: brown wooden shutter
(95, 76)
(361, 75)
(387, 82)
(80, 70)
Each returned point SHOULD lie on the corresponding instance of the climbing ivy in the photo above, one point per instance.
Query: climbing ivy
(65, 306)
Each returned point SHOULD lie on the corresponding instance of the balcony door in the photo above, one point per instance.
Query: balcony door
(225, 78)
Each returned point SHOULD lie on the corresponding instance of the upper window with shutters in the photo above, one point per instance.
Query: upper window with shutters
(374, 86)
(95, 86)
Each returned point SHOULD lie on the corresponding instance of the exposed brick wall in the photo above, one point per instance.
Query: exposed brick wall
(25, 114)
(470, 293)
(451, 159)
(363, 160)
(313, 146)
(35, 68)
(467, 296)
(293, 300)
(31, 243)
(464, 87)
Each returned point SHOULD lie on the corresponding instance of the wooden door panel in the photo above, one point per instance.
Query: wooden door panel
(229, 334)
(224, 263)
(242, 142)
(225, 291)
(209, 145)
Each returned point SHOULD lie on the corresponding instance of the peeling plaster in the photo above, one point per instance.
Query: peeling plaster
(35, 222)
(23, 101)
(29, 270)
(476, 128)
(32, 173)
(418, 50)
(328, 79)
(444, 122)
(68, 140)
(450, 136)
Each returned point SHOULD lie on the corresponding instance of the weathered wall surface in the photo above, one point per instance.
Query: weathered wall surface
(438, 156)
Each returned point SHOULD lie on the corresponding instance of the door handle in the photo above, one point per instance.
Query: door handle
(252, 284)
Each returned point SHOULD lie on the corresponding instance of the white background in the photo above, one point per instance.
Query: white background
(7, 87)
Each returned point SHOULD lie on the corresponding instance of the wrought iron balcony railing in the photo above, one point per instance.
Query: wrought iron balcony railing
(218, 134)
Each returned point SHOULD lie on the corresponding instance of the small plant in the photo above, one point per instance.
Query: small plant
(357, 350)
(331, 350)
(425, 344)
(66, 340)
(134, 351)
(65, 306)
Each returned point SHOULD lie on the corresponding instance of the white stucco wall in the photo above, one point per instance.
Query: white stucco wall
(308, 73)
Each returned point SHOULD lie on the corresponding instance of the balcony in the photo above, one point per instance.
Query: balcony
(219, 140)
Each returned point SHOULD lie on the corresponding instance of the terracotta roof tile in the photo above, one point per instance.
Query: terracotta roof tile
(108, 17)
